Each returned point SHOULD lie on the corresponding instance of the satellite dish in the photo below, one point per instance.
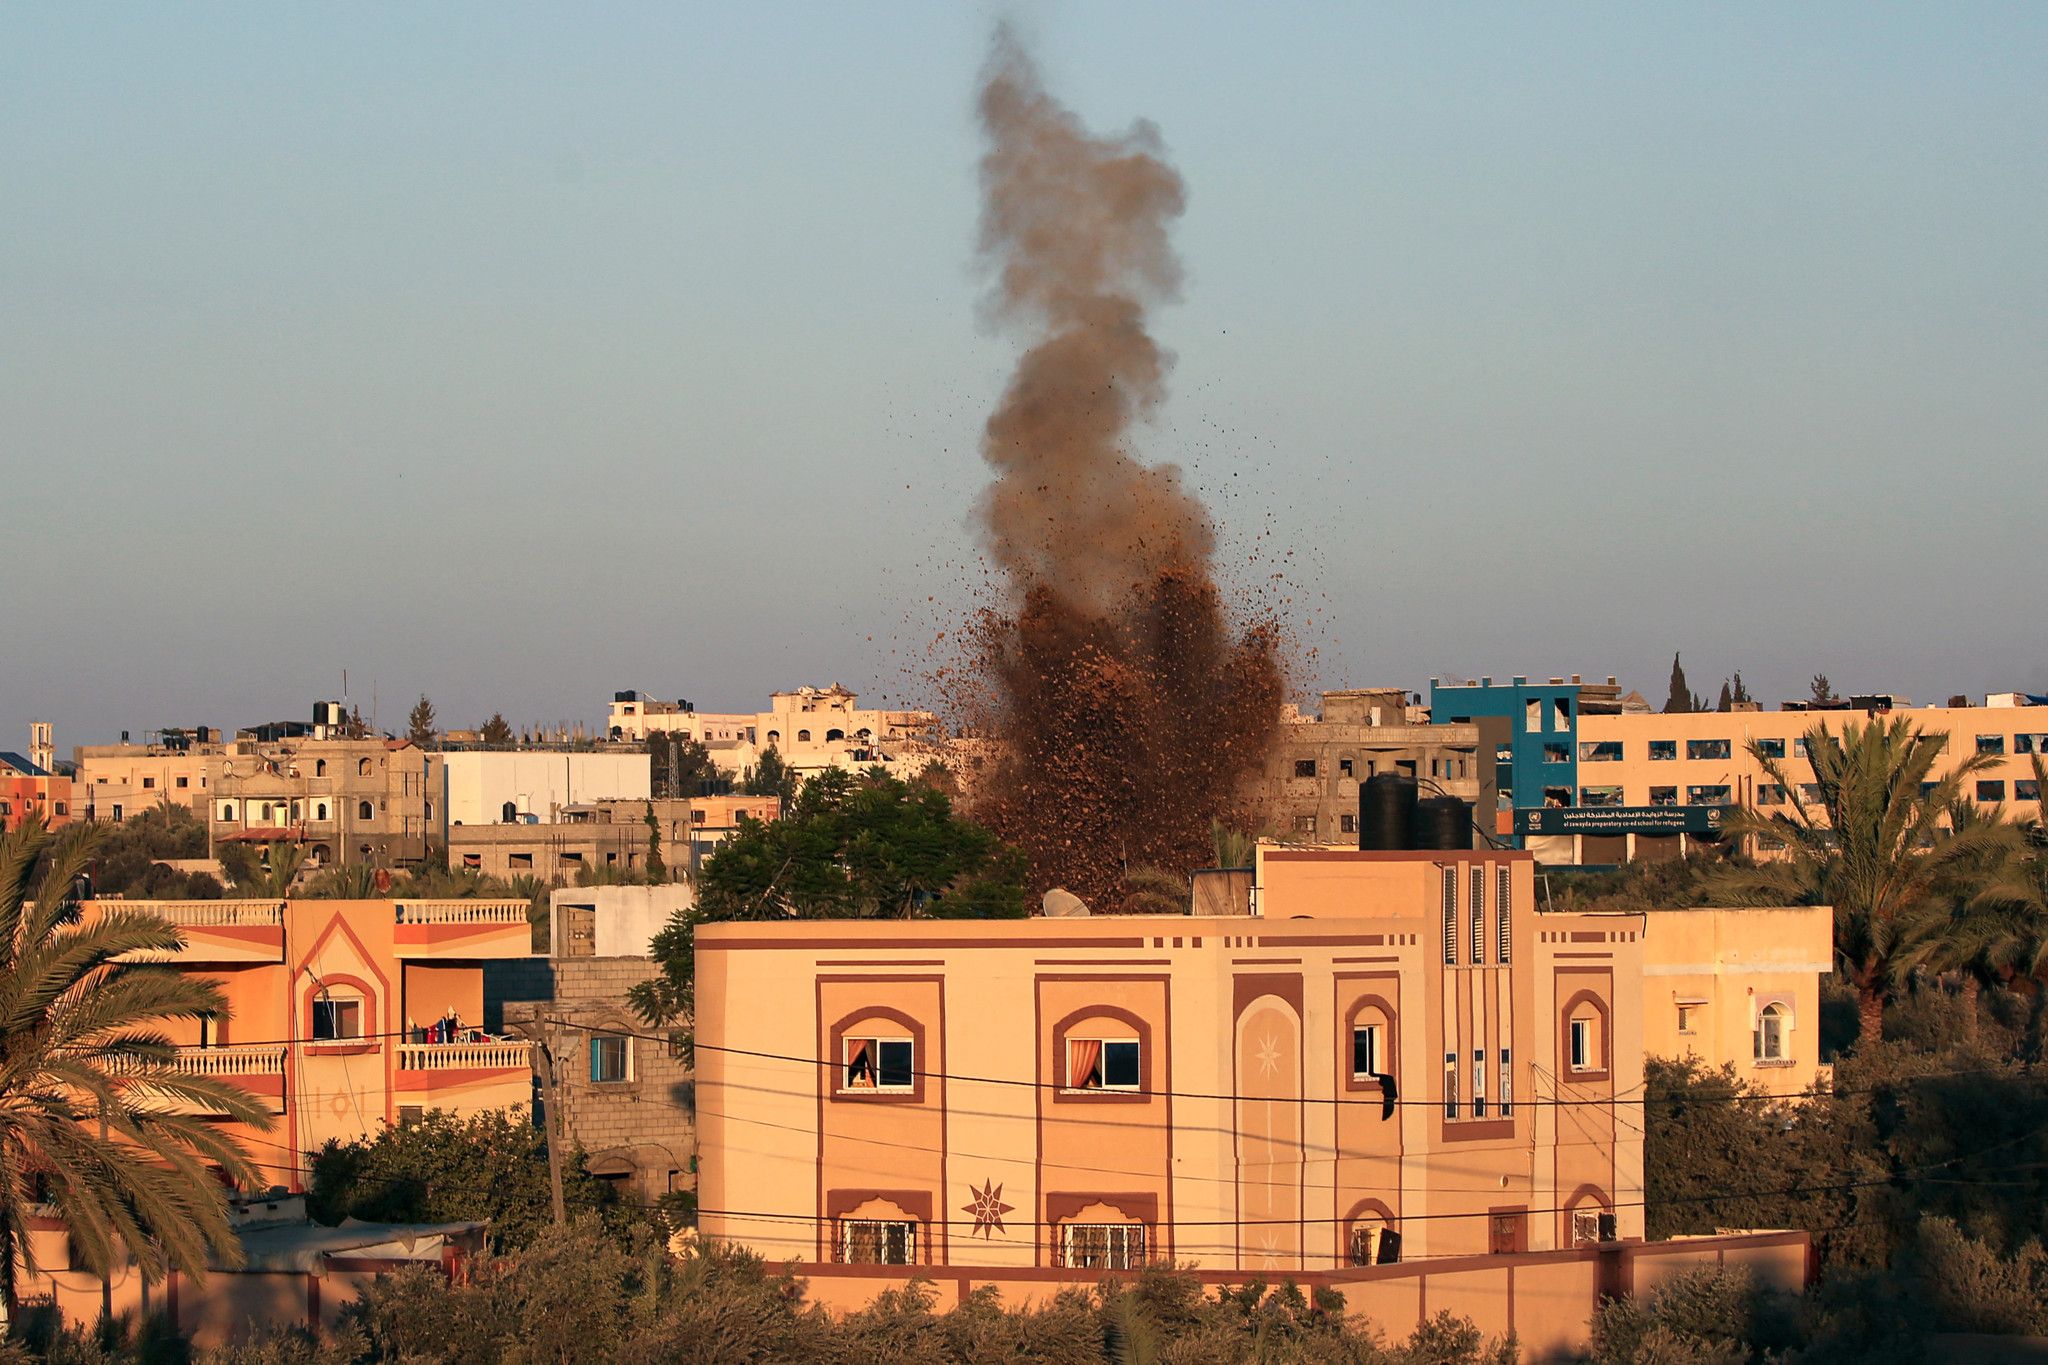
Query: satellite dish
(1060, 903)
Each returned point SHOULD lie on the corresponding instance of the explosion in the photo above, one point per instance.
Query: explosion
(1129, 711)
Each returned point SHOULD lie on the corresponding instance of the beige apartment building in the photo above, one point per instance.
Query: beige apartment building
(810, 728)
(1311, 781)
(1739, 987)
(116, 781)
(369, 800)
(606, 836)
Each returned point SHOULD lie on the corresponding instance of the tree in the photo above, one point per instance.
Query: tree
(1680, 700)
(419, 724)
(657, 871)
(1823, 690)
(495, 733)
(356, 728)
(1741, 693)
(771, 777)
(865, 847)
(127, 857)
(1874, 846)
(82, 1032)
(486, 1167)
(1727, 702)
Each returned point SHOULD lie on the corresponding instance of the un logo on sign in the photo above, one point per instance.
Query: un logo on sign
(1714, 818)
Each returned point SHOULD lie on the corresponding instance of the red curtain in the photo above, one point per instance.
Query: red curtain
(1082, 1056)
(860, 1069)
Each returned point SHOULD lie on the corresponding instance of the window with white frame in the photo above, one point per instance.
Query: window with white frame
(1591, 1226)
(877, 1241)
(1479, 1083)
(879, 1064)
(1507, 1084)
(1583, 1042)
(337, 1015)
(1102, 1064)
(1367, 1058)
(1103, 1246)
(610, 1058)
(1773, 1029)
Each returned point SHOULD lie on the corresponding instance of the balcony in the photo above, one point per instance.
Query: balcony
(489, 1074)
(257, 1068)
(462, 930)
(246, 931)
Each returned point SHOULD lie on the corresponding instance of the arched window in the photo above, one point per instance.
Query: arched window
(319, 767)
(774, 737)
(362, 767)
(803, 736)
(267, 808)
(365, 811)
(227, 810)
(1585, 1035)
(1773, 1027)
(320, 810)
(834, 736)
(508, 813)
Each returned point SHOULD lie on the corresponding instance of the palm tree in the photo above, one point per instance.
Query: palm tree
(97, 1124)
(1874, 846)
(1991, 932)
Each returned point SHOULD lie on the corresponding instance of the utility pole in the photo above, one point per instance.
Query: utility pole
(544, 1063)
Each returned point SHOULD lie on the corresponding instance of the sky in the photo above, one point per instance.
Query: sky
(519, 354)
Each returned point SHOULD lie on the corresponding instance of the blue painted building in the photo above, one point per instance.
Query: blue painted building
(1534, 731)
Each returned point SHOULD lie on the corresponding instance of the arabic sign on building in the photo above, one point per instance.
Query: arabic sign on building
(1620, 820)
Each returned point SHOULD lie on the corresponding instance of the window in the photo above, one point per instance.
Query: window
(1991, 789)
(1600, 796)
(1663, 796)
(1707, 796)
(1304, 767)
(148, 783)
(608, 1057)
(227, 810)
(1991, 744)
(1557, 753)
(1344, 767)
(362, 767)
(338, 1017)
(1590, 1226)
(1365, 1052)
(1557, 797)
(184, 782)
(1769, 794)
(1347, 824)
(2030, 744)
(1600, 751)
(365, 810)
(1103, 1246)
(319, 810)
(1304, 824)
(879, 1064)
(319, 767)
(1503, 883)
(697, 817)
(1663, 750)
(1707, 748)
(803, 736)
(1685, 1018)
(1372, 1244)
(872, 1241)
(1450, 1085)
(1479, 1083)
(1799, 748)
(1102, 1064)
(1450, 917)
(1532, 715)
(1770, 748)
(1507, 1085)
(2026, 789)
(1478, 915)
(1582, 1056)
(1773, 1024)
(1809, 792)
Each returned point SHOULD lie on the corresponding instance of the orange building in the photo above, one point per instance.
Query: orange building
(1740, 986)
(348, 1015)
(27, 790)
(1392, 1059)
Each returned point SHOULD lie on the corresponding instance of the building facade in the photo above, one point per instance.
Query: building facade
(1394, 1058)
(606, 838)
(29, 791)
(344, 1016)
(1740, 987)
(1313, 775)
(810, 728)
(344, 800)
(626, 1096)
(115, 781)
(493, 786)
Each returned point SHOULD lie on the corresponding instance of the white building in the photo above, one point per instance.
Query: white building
(810, 728)
(495, 787)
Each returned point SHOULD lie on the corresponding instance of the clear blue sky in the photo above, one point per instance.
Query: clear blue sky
(517, 354)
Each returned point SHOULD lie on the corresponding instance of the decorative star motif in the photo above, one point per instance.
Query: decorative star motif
(1269, 1056)
(988, 1209)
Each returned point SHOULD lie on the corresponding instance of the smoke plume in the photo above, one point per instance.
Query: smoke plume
(1129, 711)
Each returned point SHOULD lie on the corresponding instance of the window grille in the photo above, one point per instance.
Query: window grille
(1103, 1246)
(1450, 917)
(1478, 915)
(873, 1241)
(1500, 914)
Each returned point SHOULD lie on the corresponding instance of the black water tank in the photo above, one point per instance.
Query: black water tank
(1443, 822)
(1386, 812)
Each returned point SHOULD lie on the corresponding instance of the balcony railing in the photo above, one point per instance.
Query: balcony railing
(209, 914)
(256, 1059)
(462, 912)
(484, 1056)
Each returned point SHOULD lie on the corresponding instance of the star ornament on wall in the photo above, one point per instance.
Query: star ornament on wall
(988, 1209)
